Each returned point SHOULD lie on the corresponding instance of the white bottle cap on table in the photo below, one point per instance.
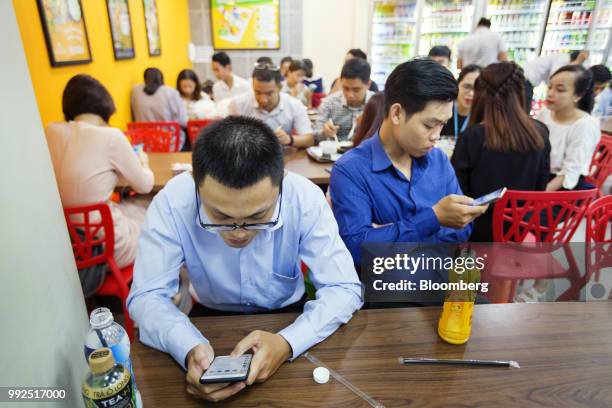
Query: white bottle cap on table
(321, 375)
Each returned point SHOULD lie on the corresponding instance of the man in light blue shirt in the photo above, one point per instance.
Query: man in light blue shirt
(241, 225)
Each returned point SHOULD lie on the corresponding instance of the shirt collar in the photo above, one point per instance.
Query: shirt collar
(380, 159)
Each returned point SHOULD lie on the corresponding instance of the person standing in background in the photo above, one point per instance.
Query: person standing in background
(503, 147)
(574, 133)
(541, 68)
(155, 102)
(228, 84)
(463, 104)
(441, 54)
(601, 87)
(482, 47)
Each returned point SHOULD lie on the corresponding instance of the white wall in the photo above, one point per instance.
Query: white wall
(331, 28)
(43, 319)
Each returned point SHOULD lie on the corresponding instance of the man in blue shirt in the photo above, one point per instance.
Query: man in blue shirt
(240, 225)
(396, 187)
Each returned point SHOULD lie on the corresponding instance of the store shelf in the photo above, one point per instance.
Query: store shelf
(566, 9)
(568, 27)
(509, 29)
(511, 12)
(521, 45)
(564, 48)
(394, 41)
(391, 20)
(447, 30)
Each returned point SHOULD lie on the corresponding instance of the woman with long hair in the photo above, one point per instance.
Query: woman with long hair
(370, 119)
(503, 146)
(574, 133)
(197, 103)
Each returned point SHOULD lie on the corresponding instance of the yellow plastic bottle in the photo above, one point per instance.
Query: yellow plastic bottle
(455, 324)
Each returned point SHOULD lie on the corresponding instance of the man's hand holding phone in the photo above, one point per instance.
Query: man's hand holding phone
(456, 211)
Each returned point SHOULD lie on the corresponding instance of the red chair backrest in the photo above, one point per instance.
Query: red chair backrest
(173, 127)
(601, 163)
(316, 99)
(194, 127)
(599, 220)
(95, 224)
(154, 140)
(547, 216)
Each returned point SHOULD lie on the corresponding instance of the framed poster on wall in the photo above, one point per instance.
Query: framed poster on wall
(152, 26)
(65, 32)
(245, 24)
(121, 28)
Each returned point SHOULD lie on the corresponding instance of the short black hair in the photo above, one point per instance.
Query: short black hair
(238, 152)
(221, 58)
(415, 83)
(358, 53)
(85, 94)
(601, 73)
(286, 59)
(484, 22)
(265, 60)
(356, 68)
(153, 79)
(267, 75)
(583, 85)
(440, 51)
(574, 55)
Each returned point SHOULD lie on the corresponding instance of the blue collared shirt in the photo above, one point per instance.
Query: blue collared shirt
(262, 276)
(367, 189)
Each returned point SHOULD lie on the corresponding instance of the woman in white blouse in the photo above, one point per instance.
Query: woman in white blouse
(88, 157)
(574, 133)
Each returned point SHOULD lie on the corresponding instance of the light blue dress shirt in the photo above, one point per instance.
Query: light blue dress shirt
(262, 276)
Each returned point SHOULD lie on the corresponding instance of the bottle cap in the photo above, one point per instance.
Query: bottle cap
(101, 360)
(100, 318)
(321, 375)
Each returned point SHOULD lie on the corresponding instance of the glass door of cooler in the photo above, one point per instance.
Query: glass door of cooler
(568, 25)
(393, 36)
(599, 38)
(445, 22)
(521, 24)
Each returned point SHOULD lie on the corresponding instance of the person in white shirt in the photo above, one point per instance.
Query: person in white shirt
(227, 85)
(574, 133)
(285, 114)
(482, 47)
(197, 103)
(541, 68)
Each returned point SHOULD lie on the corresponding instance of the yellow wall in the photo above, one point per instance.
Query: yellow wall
(117, 76)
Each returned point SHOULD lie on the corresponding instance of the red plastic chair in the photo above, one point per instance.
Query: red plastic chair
(601, 163)
(194, 127)
(316, 99)
(95, 221)
(536, 217)
(154, 140)
(173, 127)
(598, 237)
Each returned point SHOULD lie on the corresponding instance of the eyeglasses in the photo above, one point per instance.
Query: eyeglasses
(266, 66)
(249, 227)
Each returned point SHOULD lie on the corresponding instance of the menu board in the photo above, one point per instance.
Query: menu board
(245, 24)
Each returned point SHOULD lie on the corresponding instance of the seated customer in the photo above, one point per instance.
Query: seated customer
(463, 104)
(352, 53)
(197, 103)
(441, 54)
(241, 225)
(574, 133)
(504, 147)
(601, 87)
(282, 112)
(396, 187)
(228, 85)
(155, 102)
(294, 85)
(88, 157)
(339, 111)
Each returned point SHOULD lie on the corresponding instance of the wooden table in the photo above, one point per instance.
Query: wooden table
(564, 349)
(296, 161)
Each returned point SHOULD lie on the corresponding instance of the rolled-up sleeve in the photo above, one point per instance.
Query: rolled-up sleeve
(338, 287)
(156, 279)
